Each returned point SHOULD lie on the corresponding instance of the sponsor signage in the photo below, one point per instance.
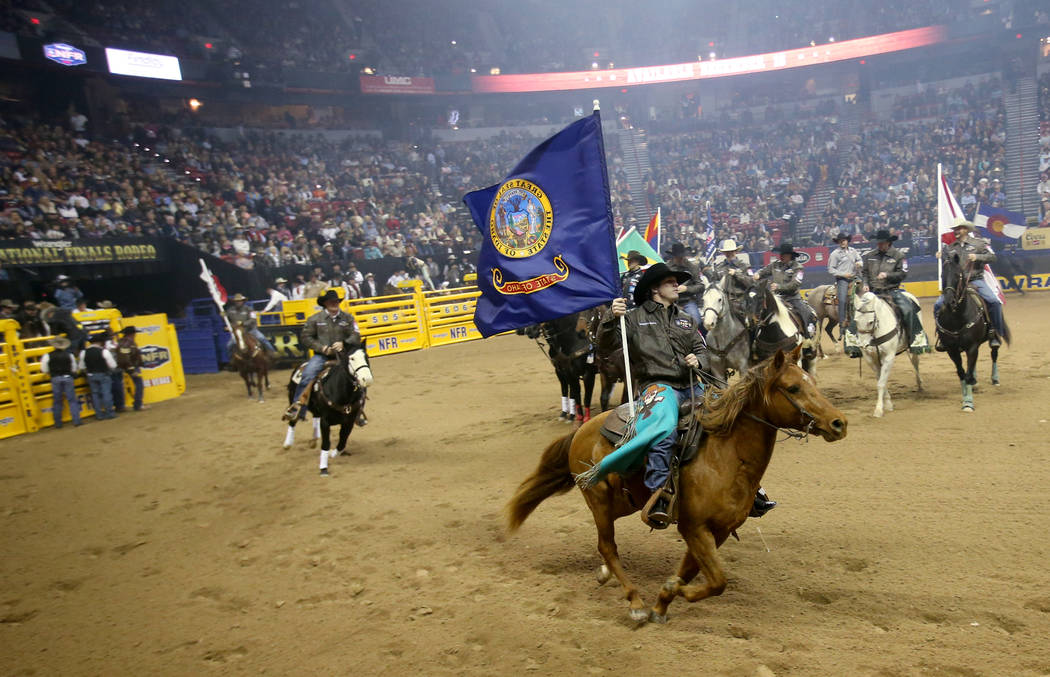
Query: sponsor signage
(756, 63)
(162, 373)
(65, 252)
(1036, 238)
(809, 257)
(143, 64)
(396, 84)
(67, 55)
(154, 356)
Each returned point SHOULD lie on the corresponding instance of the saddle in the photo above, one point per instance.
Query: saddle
(618, 429)
(831, 298)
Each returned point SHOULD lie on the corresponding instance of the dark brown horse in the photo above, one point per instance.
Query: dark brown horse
(716, 490)
(608, 359)
(251, 361)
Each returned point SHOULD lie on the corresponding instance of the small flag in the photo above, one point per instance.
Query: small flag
(993, 283)
(634, 241)
(549, 247)
(1000, 225)
(652, 231)
(948, 210)
(215, 288)
(710, 246)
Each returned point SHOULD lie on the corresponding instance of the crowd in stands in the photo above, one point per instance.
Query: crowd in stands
(1044, 148)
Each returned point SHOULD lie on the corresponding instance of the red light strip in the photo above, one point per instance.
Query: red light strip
(699, 70)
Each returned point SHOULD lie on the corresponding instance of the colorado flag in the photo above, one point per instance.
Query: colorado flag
(997, 224)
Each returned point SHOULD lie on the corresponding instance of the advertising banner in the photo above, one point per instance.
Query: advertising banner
(26, 252)
(162, 373)
(809, 257)
(143, 64)
(396, 84)
(1036, 238)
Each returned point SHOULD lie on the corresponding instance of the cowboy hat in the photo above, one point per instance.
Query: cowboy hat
(787, 248)
(60, 342)
(279, 280)
(840, 237)
(883, 236)
(729, 245)
(105, 305)
(238, 297)
(635, 255)
(329, 295)
(61, 278)
(8, 303)
(678, 249)
(654, 274)
(963, 223)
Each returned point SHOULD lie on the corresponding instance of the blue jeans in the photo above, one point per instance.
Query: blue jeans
(258, 336)
(995, 308)
(658, 466)
(842, 288)
(140, 387)
(310, 371)
(62, 390)
(691, 309)
(102, 395)
(117, 387)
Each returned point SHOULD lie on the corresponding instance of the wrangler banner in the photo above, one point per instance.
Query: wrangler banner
(79, 252)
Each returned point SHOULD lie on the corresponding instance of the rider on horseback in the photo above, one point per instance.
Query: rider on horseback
(968, 248)
(883, 270)
(665, 345)
(736, 273)
(326, 333)
(786, 278)
(629, 279)
(843, 263)
(240, 313)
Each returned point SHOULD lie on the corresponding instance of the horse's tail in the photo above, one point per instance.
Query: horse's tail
(1006, 333)
(551, 477)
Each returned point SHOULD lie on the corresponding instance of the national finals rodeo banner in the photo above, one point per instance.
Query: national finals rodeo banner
(549, 246)
(67, 252)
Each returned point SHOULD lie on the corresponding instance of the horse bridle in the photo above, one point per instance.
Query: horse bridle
(802, 434)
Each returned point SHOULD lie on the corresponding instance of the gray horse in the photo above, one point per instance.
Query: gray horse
(728, 340)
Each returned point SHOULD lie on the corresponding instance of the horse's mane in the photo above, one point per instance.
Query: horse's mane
(721, 408)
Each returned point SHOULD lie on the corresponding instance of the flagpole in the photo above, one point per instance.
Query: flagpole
(940, 197)
(623, 328)
(659, 231)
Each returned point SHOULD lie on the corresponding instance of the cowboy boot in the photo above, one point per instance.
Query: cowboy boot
(295, 410)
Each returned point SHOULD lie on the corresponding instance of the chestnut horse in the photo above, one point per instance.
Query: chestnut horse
(717, 489)
(251, 361)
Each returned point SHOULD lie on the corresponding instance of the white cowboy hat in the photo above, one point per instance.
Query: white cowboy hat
(729, 246)
(963, 223)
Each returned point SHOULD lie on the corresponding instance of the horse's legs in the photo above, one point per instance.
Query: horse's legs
(957, 360)
(589, 373)
(701, 543)
(345, 429)
(995, 365)
(289, 437)
(247, 376)
(971, 378)
(258, 376)
(325, 443)
(317, 432)
(914, 357)
(575, 401)
(687, 570)
(599, 501)
(564, 383)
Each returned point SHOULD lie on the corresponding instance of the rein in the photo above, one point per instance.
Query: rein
(788, 432)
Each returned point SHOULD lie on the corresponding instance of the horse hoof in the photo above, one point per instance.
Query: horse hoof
(639, 615)
(657, 618)
(603, 574)
(286, 447)
(967, 408)
(324, 472)
(877, 414)
(995, 381)
(333, 453)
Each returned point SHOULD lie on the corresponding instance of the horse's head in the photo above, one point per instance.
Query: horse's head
(239, 336)
(864, 312)
(533, 331)
(356, 366)
(714, 304)
(954, 277)
(761, 304)
(792, 399)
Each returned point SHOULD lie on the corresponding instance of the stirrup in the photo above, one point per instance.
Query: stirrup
(292, 413)
(658, 519)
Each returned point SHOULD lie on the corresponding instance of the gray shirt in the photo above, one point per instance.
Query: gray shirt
(843, 262)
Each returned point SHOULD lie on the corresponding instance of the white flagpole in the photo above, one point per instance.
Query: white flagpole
(626, 365)
(659, 232)
(940, 210)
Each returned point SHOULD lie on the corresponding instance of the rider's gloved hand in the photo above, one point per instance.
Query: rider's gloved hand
(619, 307)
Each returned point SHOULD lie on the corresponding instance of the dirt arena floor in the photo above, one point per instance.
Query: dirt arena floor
(183, 540)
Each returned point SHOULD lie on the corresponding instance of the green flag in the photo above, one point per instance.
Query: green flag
(634, 241)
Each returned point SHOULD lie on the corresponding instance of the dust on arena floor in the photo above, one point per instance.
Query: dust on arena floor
(185, 539)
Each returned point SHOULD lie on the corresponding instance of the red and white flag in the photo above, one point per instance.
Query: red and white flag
(215, 288)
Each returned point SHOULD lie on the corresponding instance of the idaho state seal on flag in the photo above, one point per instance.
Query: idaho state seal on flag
(549, 247)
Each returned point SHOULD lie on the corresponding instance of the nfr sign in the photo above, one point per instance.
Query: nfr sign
(67, 55)
(387, 343)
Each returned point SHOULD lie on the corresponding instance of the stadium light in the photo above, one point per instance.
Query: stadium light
(494, 71)
(208, 45)
(194, 104)
(352, 56)
(453, 43)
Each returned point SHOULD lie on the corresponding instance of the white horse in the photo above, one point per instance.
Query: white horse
(728, 342)
(880, 338)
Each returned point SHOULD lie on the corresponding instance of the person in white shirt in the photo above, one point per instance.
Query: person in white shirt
(276, 299)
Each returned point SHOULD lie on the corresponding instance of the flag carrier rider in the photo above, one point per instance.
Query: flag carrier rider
(665, 347)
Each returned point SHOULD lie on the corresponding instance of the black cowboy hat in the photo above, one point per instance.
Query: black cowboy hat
(678, 249)
(635, 255)
(329, 295)
(840, 237)
(787, 248)
(883, 236)
(655, 274)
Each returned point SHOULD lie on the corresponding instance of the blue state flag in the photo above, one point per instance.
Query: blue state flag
(549, 247)
(1000, 225)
